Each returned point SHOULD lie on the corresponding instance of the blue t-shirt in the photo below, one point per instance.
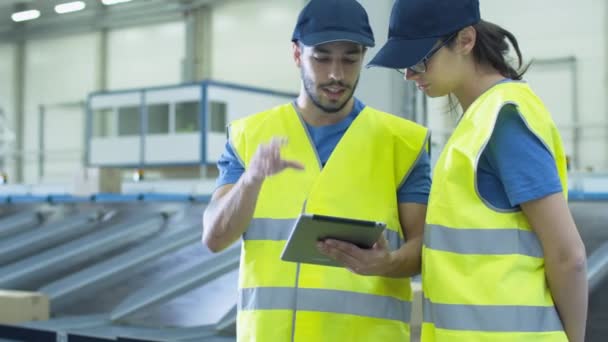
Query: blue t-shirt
(515, 166)
(415, 189)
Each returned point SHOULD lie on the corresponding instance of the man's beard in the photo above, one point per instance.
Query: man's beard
(311, 91)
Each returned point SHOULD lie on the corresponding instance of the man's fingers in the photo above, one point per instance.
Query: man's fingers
(382, 243)
(278, 142)
(275, 150)
(344, 258)
(270, 155)
(292, 164)
(346, 248)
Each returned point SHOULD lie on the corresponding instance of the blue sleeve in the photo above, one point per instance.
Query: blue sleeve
(524, 165)
(417, 186)
(230, 167)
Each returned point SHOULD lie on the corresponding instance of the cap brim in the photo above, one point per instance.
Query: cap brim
(401, 53)
(336, 36)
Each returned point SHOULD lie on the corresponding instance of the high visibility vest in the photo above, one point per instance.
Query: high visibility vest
(285, 301)
(483, 271)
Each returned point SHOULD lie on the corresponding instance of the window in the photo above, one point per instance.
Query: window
(217, 117)
(103, 123)
(158, 119)
(129, 122)
(187, 117)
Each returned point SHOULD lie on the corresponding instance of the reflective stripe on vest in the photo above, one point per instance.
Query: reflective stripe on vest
(483, 241)
(279, 230)
(321, 300)
(498, 318)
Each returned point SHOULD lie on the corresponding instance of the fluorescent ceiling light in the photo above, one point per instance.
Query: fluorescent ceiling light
(25, 15)
(69, 7)
(113, 2)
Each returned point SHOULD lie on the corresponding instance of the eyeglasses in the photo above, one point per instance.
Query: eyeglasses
(421, 66)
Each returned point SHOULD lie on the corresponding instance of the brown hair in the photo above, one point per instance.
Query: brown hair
(491, 48)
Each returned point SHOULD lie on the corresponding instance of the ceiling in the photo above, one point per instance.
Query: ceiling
(95, 16)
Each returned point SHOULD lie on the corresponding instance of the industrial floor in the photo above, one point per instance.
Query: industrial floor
(205, 305)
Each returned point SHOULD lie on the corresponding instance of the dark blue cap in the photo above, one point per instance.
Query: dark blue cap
(324, 21)
(416, 25)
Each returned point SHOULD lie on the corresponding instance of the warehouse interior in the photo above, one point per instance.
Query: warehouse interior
(113, 116)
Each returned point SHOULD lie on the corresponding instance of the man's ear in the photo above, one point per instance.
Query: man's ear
(297, 53)
(363, 52)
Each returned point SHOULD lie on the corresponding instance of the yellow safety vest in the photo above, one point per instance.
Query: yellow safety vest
(483, 271)
(285, 301)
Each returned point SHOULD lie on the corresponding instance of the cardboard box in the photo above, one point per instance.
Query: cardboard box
(21, 306)
(89, 181)
(110, 180)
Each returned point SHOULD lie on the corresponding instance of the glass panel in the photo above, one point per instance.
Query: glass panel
(129, 121)
(158, 119)
(187, 117)
(103, 123)
(217, 117)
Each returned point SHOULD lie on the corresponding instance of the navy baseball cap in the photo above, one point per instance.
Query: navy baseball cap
(324, 21)
(416, 25)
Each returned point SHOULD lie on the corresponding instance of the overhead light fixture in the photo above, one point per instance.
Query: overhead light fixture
(69, 7)
(113, 2)
(25, 15)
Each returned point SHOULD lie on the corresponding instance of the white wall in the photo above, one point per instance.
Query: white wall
(7, 75)
(58, 71)
(381, 88)
(567, 28)
(7, 91)
(251, 43)
(146, 56)
(64, 71)
(548, 29)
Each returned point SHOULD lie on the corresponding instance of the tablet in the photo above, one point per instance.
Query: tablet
(309, 229)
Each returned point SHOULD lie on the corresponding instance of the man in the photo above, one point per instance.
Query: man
(326, 153)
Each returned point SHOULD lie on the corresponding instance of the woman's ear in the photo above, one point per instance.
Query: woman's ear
(465, 40)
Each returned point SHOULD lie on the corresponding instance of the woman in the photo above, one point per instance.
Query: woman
(502, 258)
